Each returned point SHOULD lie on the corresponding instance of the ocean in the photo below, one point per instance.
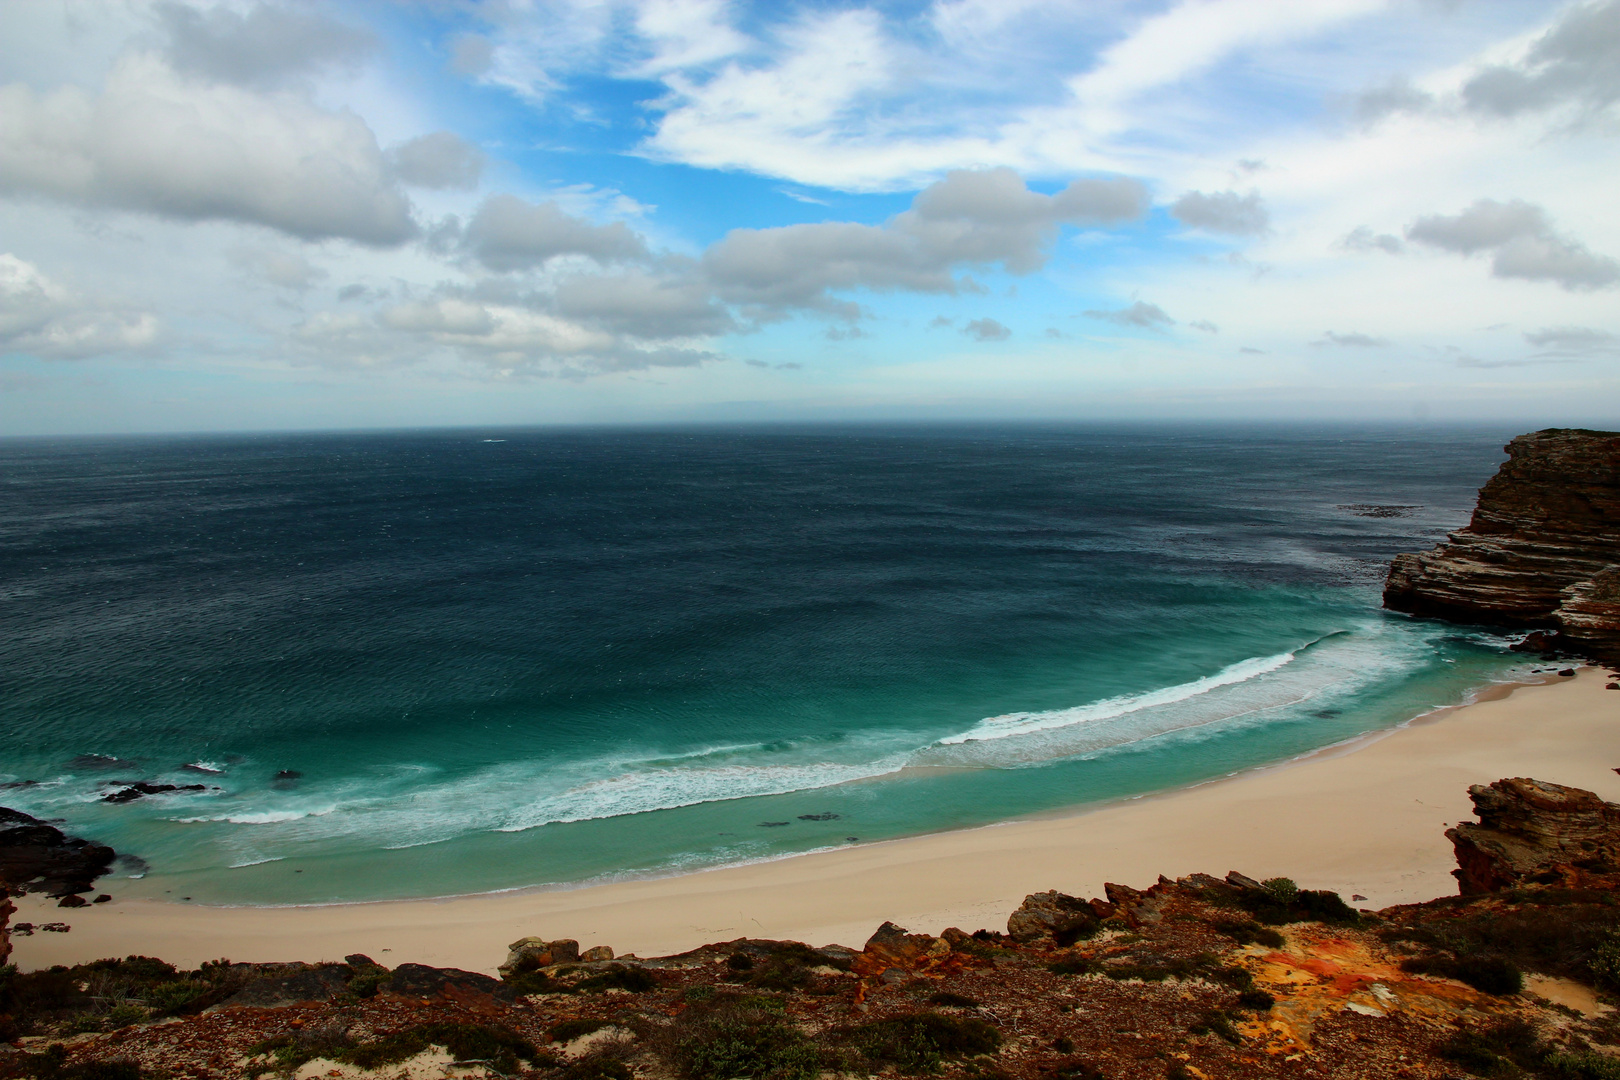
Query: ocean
(447, 662)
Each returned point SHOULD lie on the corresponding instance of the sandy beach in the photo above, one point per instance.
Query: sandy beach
(1365, 818)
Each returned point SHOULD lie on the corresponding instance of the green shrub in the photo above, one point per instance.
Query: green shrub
(740, 961)
(1249, 932)
(951, 1000)
(1258, 1000)
(533, 982)
(569, 1030)
(1584, 1066)
(1498, 1052)
(123, 1015)
(620, 977)
(1217, 1022)
(596, 1067)
(1078, 965)
(168, 997)
(1487, 974)
(699, 993)
(737, 1037)
(1283, 890)
(918, 1042)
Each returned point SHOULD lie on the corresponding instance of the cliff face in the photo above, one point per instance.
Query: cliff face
(1542, 550)
(1531, 833)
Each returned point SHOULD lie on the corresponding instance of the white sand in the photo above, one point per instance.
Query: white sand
(1366, 818)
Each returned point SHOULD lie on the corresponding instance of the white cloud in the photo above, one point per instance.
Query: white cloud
(1223, 212)
(1523, 243)
(288, 270)
(1575, 63)
(970, 218)
(508, 233)
(261, 46)
(157, 143)
(441, 160)
(39, 317)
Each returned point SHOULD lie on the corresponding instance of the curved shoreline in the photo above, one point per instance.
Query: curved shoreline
(1365, 816)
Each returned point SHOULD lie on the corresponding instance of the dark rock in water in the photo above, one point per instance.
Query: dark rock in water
(1541, 550)
(286, 779)
(773, 824)
(1534, 833)
(1568, 673)
(141, 789)
(1376, 510)
(133, 865)
(12, 784)
(101, 762)
(819, 817)
(39, 858)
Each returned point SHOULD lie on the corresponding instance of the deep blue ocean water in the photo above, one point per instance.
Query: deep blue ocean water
(497, 659)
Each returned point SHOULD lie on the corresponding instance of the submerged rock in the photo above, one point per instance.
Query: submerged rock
(1531, 832)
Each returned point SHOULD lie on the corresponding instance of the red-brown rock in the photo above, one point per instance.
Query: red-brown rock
(1534, 833)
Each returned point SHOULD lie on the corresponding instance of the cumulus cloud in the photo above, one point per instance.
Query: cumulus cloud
(970, 218)
(38, 317)
(158, 143)
(986, 330)
(261, 46)
(643, 305)
(508, 233)
(1351, 341)
(1522, 241)
(1223, 212)
(1576, 62)
(1362, 238)
(1144, 315)
(442, 160)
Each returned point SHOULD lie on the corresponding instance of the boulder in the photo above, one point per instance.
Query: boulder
(894, 948)
(597, 953)
(1050, 917)
(1534, 833)
(531, 953)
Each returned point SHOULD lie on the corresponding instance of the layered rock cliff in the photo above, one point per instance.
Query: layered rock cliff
(1542, 549)
(1532, 833)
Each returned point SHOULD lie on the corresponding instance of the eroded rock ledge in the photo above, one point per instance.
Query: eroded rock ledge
(1534, 833)
(1542, 549)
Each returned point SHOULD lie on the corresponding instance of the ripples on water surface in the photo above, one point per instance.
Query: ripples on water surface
(498, 659)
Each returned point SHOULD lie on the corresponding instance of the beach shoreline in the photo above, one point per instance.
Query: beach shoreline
(1363, 817)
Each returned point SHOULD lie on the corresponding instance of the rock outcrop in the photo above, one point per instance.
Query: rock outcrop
(37, 857)
(1542, 549)
(1534, 833)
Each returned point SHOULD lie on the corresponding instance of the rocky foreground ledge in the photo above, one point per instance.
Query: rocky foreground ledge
(1199, 977)
(1542, 550)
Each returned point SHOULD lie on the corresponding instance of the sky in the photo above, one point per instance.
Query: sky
(280, 215)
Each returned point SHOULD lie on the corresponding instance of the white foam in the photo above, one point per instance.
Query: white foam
(1026, 723)
(256, 862)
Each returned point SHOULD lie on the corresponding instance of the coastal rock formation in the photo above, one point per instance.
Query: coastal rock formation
(532, 953)
(1534, 833)
(1054, 916)
(37, 857)
(1541, 550)
(7, 910)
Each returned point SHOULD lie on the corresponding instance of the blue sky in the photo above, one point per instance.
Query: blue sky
(251, 215)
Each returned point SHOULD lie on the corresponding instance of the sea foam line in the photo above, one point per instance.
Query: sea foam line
(1025, 723)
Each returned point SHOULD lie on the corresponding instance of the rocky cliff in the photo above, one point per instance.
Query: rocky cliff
(1542, 550)
(1534, 833)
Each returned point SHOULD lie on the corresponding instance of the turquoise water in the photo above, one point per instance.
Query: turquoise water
(416, 664)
